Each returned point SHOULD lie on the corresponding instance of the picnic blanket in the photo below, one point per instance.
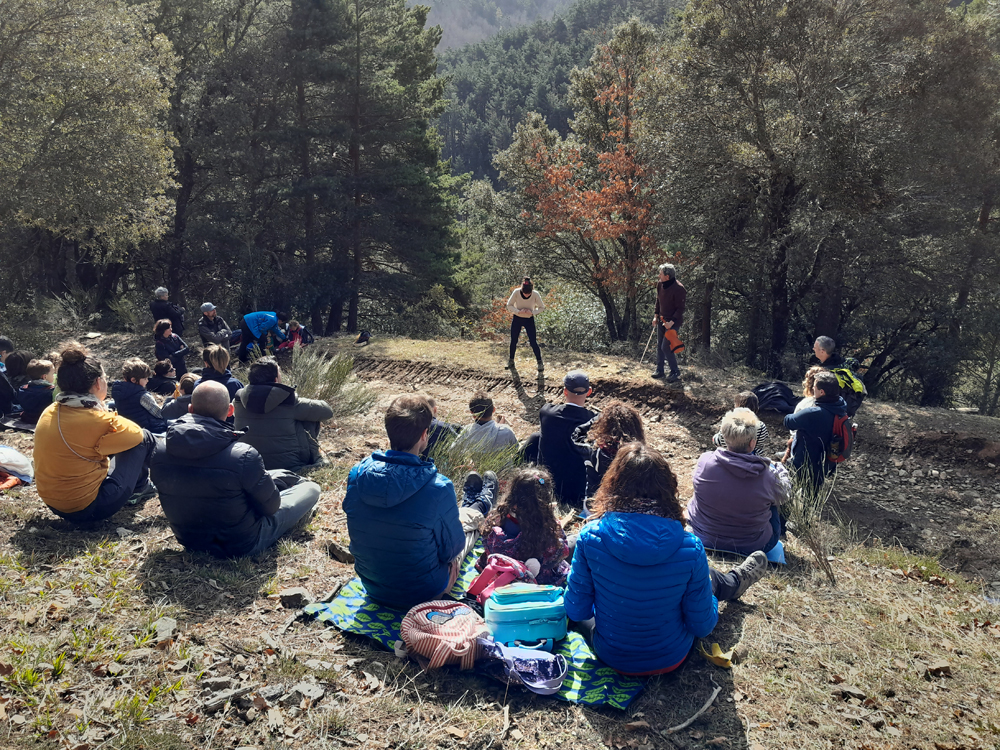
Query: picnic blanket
(588, 681)
(16, 423)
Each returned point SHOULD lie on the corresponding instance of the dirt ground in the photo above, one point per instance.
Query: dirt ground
(82, 664)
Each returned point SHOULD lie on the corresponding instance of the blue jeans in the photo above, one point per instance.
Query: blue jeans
(663, 351)
(775, 528)
(296, 503)
(128, 473)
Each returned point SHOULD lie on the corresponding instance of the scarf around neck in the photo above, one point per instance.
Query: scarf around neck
(80, 401)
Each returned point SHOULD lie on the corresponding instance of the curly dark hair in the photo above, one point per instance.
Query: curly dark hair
(619, 423)
(638, 480)
(529, 499)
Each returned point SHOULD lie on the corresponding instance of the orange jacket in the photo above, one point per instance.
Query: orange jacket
(70, 467)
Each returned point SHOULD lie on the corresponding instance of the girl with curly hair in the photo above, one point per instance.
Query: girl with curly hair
(600, 438)
(523, 525)
(639, 583)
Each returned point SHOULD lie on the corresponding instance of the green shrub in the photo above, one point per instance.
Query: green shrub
(317, 375)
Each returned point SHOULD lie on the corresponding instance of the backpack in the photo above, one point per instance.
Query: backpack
(499, 571)
(445, 632)
(842, 441)
(538, 671)
(852, 388)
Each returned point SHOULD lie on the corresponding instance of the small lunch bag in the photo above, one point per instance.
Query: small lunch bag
(445, 632)
(522, 614)
(499, 571)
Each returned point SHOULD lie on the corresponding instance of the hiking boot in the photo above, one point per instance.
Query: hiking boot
(673, 377)
(472, 487)
(541, 365)
(491, 487)
(658, 374)
(749, 572)
(148, 490)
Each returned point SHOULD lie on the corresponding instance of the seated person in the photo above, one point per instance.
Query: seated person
(217, 368)
(214, 490)
(298, 335)
(524, 526)
(170, 346)
(281, 426)
(17, 368)
(747, 400)
(214, 330)
(133, 401)
(808, 399)
(177, 407)
(440, 432)
(8, 394)
(407, 535)
(74, 440)
(164, 380)
(814, 430)
(487, 434)
(35, 395)
(555, 449)
(736, 492)
(638, 581)
(601, 437)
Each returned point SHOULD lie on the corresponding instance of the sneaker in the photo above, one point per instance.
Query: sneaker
(658, 374)
(749, 572)
(673, 377)
(491, 487)
(510, 365)
(472, 487)
(148, 490)
(541, 366)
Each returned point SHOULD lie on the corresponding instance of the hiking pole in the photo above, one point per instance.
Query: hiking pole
(647, 346)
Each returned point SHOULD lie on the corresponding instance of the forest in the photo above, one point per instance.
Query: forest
(811, 167)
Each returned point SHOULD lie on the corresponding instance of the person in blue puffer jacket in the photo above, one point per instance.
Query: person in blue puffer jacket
(133, 401)
(639, 584)
(407, 532)
(256, 326)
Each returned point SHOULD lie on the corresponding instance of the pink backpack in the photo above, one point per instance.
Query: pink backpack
(499, 571)
(445, 632)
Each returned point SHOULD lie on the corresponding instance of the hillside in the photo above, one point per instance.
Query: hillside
(900, 654)
(469, 21)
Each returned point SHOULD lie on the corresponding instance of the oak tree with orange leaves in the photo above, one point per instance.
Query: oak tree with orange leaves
(585, 202)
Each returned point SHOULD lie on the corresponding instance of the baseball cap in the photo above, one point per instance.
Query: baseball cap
(207, 307)
(576, 381)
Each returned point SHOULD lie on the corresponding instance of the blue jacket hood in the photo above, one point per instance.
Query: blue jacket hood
(387, 479)
(639, 538)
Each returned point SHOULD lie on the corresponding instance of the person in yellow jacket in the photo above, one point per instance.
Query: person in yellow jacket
(89, 462)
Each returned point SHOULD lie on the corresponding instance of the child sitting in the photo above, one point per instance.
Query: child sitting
(523, 525)
(298, 335)
(37, 393)
(164, 380)
(600, 438)
(178, 406)
(747, 400)
(133, 401)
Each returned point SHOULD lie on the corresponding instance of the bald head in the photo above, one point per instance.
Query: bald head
(210, 399)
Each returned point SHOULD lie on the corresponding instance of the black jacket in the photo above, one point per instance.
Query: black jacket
(175, 408)
(213, 489)
(175, 350)
(128, 403)
(162, 385)
(214, 331)
(162, 309)
(559, 454)
(7, 395)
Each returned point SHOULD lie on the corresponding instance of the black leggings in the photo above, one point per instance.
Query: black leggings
(528, 324)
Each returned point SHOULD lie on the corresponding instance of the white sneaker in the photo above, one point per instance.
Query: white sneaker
(749, 572)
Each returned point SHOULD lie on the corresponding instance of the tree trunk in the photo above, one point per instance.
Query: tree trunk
(831, 291)
(977, 246)
(705, 332)
(781, 313)
(355, 156)
(175, 261)
(336, 318)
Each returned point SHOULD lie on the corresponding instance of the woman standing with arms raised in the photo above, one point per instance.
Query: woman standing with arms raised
(523, 304)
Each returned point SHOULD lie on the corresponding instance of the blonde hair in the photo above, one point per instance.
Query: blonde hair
(216, 356)
(809, 382)
(739, 428)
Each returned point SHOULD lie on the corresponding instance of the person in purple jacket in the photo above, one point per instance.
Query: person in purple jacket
(737, 493)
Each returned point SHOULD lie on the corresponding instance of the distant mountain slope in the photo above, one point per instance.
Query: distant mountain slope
(468, 21)
(496, 81)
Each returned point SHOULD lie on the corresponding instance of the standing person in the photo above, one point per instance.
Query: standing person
(523, 304)
(638, 580)
(852, 388)
(75, 438)
(170, 346)
(163, 308)
(256, 326)
(214, 330)
(668, 314)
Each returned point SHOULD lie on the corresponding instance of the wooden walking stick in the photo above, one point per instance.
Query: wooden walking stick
(647, 347)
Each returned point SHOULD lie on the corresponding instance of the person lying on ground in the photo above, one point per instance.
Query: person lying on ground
(177, 406)
(737, 493)
(747, 400)
(601, 437)
(814, 430)
(440, 432)
(215, 492)
(523, 525)
(255, 329)
(161, 308)
(640, 585)
(408, 535)
(164, 379)
(74, 440)
(297, 335)
(133, 401)
(170, 346)
(281, 426)
(35, 395)
(489, 433)
(216, 368)
(214, 330)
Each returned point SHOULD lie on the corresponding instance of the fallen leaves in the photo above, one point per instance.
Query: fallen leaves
(938, 669)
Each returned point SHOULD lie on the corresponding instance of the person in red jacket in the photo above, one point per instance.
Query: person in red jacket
(669, 313)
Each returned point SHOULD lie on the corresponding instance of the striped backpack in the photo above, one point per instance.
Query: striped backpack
(445, 632)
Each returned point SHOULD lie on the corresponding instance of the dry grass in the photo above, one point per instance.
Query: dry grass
(79, 665)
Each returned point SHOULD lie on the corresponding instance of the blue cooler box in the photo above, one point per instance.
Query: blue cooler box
(525, 613)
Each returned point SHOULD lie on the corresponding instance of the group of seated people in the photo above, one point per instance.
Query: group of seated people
(26, 382)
